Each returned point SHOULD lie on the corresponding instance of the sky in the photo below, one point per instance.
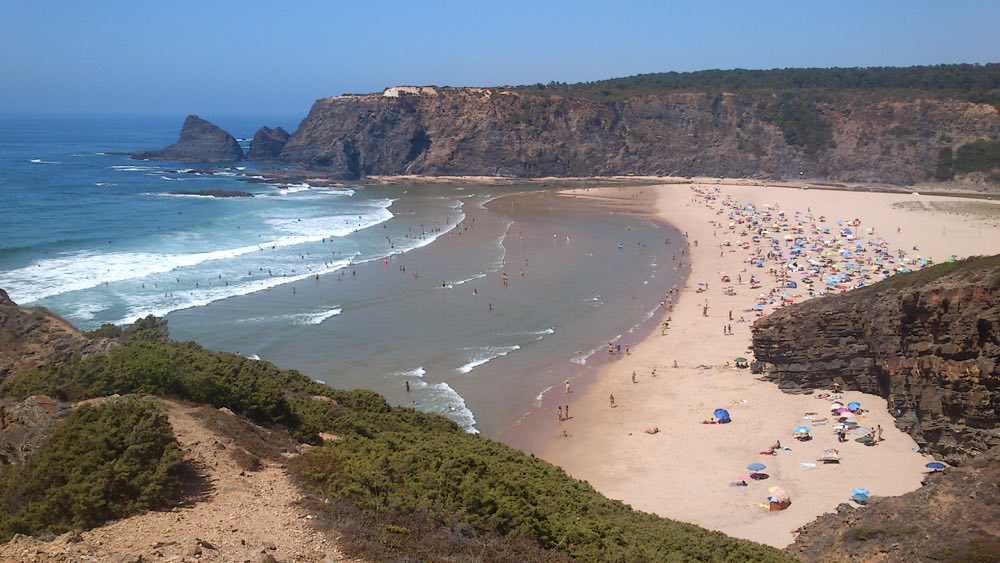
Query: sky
(276, 58)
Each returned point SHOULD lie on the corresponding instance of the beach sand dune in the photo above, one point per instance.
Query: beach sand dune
(684, 470)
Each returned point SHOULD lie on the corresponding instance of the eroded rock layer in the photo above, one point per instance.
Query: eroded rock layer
(858, 135)
(928, 342)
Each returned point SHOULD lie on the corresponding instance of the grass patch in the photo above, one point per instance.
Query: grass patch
(105, 462)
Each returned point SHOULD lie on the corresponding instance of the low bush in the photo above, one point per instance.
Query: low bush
(106, 461)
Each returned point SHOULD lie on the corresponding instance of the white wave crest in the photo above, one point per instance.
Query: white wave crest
(316, 318)
(440, 398)
(485, 355)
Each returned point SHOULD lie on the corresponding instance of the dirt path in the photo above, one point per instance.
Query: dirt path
(236, 515)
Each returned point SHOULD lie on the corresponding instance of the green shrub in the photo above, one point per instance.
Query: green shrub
(464, 481)
(978, 156)
(945, 169)
(106, 461)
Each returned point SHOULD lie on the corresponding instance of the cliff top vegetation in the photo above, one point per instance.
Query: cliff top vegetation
(973, 82)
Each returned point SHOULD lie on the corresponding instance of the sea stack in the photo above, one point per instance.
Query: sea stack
(267, 143)
(200, 141)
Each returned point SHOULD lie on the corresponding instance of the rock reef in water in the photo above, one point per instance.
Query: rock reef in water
(928, 342)
(267, 143)
(200, 141)
(213, 193)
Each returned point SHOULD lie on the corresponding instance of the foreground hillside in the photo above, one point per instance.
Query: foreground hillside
(379, 482)
(889, 125)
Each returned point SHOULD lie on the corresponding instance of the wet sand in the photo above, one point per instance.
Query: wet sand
(684, 471)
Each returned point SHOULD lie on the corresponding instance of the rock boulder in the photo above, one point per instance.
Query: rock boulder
(267, 143)
(200, 141)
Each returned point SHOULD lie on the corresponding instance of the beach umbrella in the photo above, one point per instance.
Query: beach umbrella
(802, 429)
(860, 495)
(756, 467)
(722, 415)
(834, 406)
(936, 465)
(777, 494)
(854, 405)
(860, 430)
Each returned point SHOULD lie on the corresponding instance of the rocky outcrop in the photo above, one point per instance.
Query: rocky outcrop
(200, 141)
(267, 143)
(24, 424)
(213, 193)
(951, 518)
(928, 342)
(30, 338)
(865, 136)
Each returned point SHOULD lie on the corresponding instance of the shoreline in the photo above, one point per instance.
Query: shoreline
(683, 471)
(316, 178)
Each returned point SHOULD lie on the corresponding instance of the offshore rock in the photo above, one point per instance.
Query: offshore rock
(200, 141)
(874, 137)
(928, 342)
(267, 143)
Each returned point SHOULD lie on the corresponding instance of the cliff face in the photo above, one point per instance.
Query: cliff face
(267, 143)
(928, 342)
(200, 141)
(859, 136)
(30, 338)
(951, 518)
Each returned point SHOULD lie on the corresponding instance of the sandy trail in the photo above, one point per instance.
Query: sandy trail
(240, 516)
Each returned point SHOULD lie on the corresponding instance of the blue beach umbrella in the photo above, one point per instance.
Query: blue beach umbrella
(860, 495)
(756, 467)
(936, 465)
(853, 406)
(722, 415)
(802, 429)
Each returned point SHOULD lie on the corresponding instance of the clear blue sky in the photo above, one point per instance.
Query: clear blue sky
(275, 58)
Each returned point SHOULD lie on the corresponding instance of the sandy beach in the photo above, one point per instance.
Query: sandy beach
(684, 470)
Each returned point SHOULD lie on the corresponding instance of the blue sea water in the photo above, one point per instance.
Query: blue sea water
(359, 287)
(97, 237)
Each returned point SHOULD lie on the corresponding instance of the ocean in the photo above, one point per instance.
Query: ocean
(469, 301)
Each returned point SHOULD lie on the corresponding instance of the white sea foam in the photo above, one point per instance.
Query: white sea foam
(582, 358)
(40, 161)
(485, 355)
(452, 284)
(134, 168)
(142, 305)
(105, 184)
(316, 318)
(418, 372)
(541, 395)
(440, 398)
(86, 269)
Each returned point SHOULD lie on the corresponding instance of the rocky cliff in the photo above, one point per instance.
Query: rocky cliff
(929, 342)
(30, 338)
(847, 135)
(267, 143)
(200, 141)
(951, 518)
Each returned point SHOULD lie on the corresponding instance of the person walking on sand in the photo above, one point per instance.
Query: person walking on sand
(633, 377)
(567, 386)
(559, 413)
(567, 412)
(878, 433)
(611, 399)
